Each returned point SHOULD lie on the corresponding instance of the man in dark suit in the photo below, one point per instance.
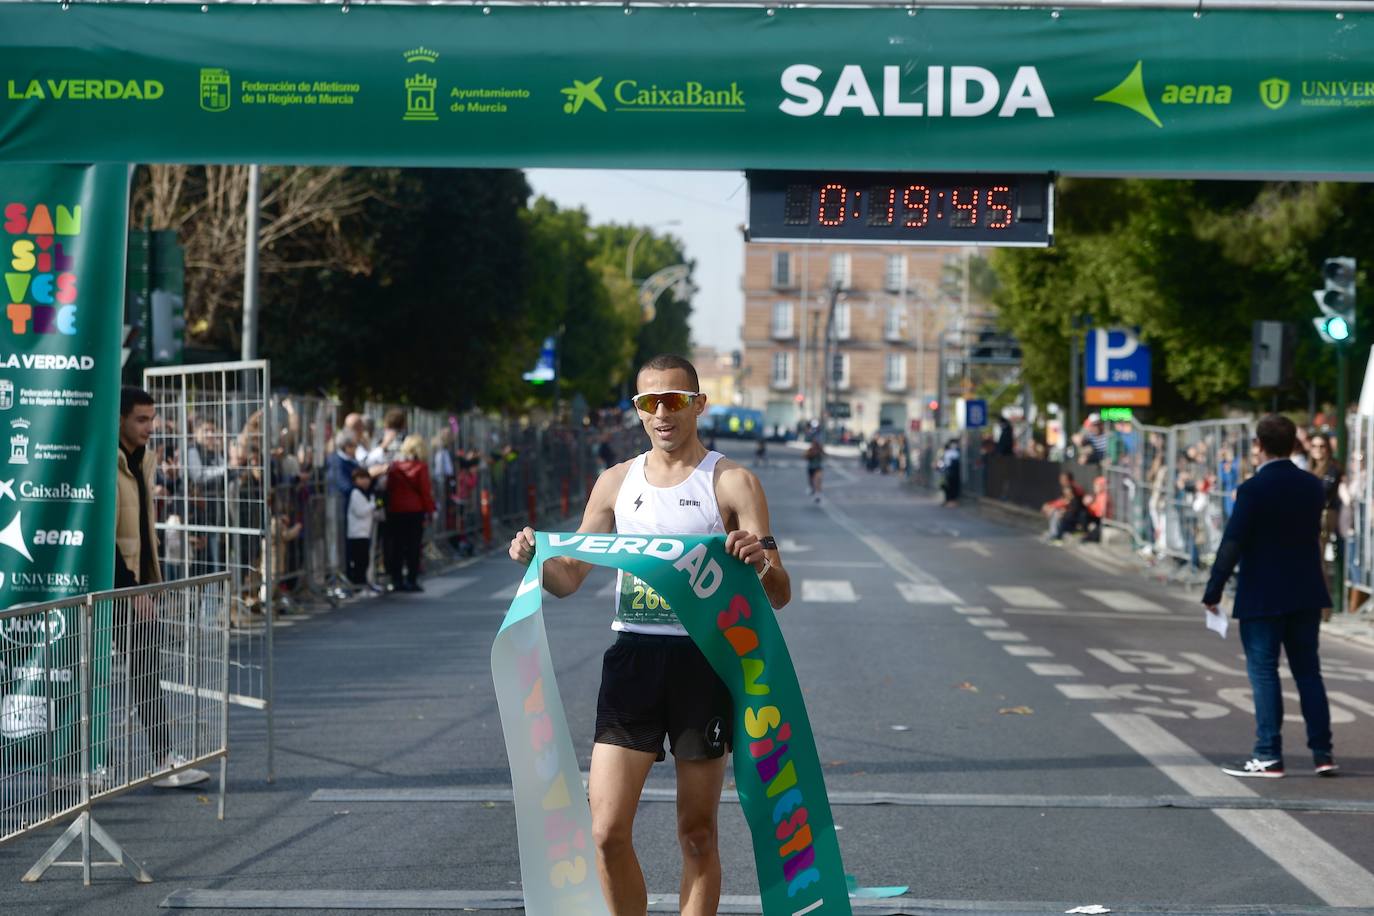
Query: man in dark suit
(1275, 534)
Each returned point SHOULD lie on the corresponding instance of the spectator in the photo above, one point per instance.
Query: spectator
(1006, 437)
(1065, 513)
(409, 499)
(949, 466)
(136, 564)
(1327, 469)
(1096, 510)
(362, 511)
(1095, 435)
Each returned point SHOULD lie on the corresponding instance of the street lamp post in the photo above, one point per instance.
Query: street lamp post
(630, 252)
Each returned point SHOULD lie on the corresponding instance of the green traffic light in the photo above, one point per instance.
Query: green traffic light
(1337, 329)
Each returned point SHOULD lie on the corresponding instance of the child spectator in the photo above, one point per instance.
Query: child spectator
(361, 512)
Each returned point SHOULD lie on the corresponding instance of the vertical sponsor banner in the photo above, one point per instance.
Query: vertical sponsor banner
(62, 250)
(777, 770)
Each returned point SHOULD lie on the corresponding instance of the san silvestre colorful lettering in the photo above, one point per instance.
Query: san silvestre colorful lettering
(777, 770)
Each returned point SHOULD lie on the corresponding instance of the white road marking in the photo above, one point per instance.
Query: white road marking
(1353, 702)
(1006, 635)
(1123, 601)
(1047, 669)
(1023, 596)
(1029, 651)
(975, 546)
(1106, 615)
(830, 591)
(445, 586)
(972, 611)
(1322, 868)
(926, 594)
(791, 546)
(1085, 691)
(885, 551)
(505, 594)
(839, 564)
(990, 622)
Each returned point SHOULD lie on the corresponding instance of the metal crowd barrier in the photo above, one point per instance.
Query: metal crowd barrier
(105, 693)
(215, 440)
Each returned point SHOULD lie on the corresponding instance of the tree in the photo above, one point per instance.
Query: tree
(592, 303)
(306, 215)
(670, 330)
(1192, 265)
(441, 318)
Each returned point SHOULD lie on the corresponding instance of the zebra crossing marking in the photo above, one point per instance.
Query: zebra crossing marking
(972, 611)
(1023, 596)
(1028, 651)
(1006, 636)
(990, 622)
(1123, 601)
(1049, 669)
(916, 593)
(1085, 691)
(832, 591)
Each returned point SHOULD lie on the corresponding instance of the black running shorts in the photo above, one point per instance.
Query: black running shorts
(652, 686)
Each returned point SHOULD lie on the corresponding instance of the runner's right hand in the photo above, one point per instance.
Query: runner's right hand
(522, 546)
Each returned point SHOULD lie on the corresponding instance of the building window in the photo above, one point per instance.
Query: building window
(782, 320)
(895, 328)
(782, 270)
(841, 376)
(896, 372)
(839, 270)
(842, 325)
(782, 369)
(894, 276)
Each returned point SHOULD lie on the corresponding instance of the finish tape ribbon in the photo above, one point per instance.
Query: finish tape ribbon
(777, 771)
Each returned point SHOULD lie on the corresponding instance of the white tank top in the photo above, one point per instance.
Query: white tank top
(642, 508)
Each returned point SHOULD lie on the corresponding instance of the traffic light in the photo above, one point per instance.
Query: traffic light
(837, 368)
(1336, 299)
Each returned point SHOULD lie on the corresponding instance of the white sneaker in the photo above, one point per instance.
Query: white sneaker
(184, 778)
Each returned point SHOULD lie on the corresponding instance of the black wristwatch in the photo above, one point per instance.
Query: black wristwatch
(767, 542)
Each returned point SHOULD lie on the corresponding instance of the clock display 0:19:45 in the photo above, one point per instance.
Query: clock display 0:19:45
(911, 206)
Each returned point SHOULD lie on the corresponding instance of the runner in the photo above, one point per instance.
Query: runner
(655, 683)
(815, 464)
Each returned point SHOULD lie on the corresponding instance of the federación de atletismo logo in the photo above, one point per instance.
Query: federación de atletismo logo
(215, 89)
(1274, 93)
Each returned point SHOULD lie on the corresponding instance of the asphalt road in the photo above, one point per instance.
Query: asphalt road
(1050, 727)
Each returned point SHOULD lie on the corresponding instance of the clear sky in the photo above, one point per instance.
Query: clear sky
(709, 206)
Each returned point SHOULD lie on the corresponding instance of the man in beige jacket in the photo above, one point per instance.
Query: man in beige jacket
(137, 629)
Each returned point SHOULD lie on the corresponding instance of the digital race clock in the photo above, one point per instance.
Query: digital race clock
(895, 207)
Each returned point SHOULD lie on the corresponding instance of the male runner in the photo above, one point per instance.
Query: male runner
(654, 680)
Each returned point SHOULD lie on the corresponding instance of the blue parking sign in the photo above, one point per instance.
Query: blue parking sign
(1117, 369)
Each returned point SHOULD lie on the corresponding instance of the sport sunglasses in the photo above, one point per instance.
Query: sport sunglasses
(673, 400)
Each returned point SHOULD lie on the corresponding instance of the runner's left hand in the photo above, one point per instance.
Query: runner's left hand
(745, 546)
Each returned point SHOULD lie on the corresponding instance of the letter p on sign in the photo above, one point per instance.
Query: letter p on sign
(1105, 352)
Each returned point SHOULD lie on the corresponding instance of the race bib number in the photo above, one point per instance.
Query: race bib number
(639, 603)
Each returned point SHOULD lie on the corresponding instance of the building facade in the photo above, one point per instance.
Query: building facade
(892, 306)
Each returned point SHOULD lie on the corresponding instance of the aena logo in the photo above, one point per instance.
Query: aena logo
(55, 538)
(956, 92)
(1130, 93)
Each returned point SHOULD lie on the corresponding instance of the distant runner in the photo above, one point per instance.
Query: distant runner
(655, 682)
(815, 464)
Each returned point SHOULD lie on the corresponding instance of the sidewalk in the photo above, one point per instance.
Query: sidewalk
(1115, 553)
